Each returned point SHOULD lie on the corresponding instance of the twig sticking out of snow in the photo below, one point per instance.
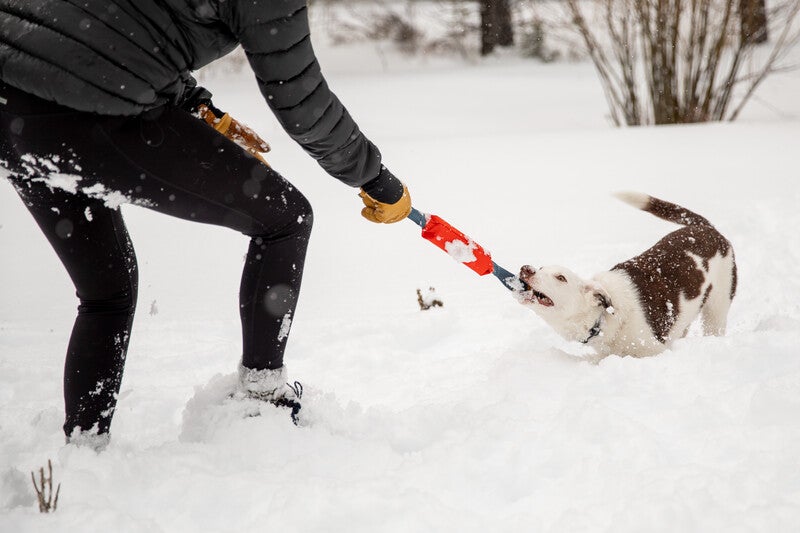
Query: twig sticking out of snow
(44, 491)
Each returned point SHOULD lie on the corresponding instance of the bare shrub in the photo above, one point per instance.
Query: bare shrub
(44, 490)
(678, 61)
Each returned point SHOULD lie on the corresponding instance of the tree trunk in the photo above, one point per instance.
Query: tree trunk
(754, 21)
(496, 27)
(505, 30)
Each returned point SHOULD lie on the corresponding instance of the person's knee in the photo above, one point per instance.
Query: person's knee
(293, 219)
(112, 294)
(123, 302)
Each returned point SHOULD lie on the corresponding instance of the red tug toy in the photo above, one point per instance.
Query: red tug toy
(463, 249)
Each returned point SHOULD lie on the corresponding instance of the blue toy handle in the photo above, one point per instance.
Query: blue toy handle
(417, 217)
(509, 280)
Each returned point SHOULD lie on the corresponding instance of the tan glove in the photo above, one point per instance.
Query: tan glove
(235, 131)
(382, 213)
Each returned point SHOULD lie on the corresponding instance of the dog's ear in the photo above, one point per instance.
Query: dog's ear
(598, 294)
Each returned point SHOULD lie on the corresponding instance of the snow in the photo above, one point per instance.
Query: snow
(111, 198)
(470, 417)
(57, 180)
(286, 326)
(461, 251)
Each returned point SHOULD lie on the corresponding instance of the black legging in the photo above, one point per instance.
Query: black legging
(72, 169)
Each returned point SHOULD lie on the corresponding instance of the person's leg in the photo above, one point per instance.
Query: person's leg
(92, 243)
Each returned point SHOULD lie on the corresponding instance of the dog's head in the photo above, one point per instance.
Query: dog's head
(568, 303)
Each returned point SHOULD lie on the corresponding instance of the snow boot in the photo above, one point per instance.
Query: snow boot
(270, 386)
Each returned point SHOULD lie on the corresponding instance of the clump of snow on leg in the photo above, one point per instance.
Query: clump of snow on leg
(111, 199)
(89, 439)
(286, 326)
(266, 380)
(65, 182)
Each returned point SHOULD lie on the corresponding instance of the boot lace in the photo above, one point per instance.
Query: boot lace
(291, 403)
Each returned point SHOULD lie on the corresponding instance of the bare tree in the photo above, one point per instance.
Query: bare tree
(677, 61)
(496, 25)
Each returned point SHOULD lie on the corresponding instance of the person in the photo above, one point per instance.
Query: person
(98, 107)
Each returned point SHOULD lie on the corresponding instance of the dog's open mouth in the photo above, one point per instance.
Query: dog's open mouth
(540, 298)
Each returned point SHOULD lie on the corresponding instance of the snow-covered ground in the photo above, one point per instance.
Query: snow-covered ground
(470, 417)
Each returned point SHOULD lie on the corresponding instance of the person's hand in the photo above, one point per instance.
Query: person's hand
(235, 131)
(386, 213)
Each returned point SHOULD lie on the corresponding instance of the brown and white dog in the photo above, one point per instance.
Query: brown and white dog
(641, 305)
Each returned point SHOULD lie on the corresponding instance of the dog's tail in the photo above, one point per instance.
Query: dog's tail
(663, 209)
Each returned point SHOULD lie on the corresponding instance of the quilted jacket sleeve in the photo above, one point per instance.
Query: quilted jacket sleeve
(275, 36)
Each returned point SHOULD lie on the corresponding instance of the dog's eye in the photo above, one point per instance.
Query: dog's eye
(561, 278)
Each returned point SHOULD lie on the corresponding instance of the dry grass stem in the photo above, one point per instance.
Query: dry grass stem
(48, 501)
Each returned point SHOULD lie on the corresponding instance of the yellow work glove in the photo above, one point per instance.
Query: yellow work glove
(382, 213)
(235, 131)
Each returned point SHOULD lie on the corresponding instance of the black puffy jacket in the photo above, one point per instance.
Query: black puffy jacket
(123, 57)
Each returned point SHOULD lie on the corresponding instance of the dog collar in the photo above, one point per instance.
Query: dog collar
(595, 331)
